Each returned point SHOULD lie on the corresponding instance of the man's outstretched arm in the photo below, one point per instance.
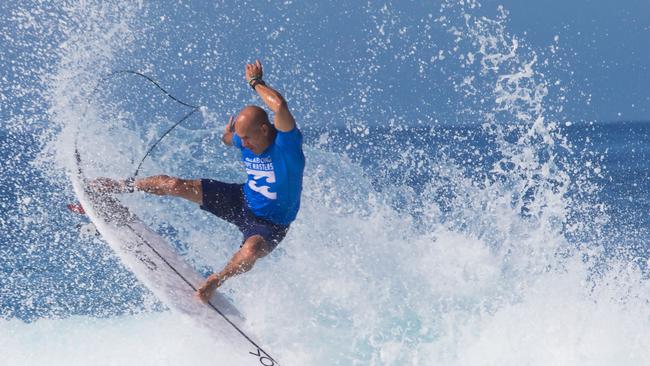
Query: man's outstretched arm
(282, 120)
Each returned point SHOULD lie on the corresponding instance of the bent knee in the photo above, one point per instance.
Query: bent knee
(173, 185)
(162, 180)
(255, 246)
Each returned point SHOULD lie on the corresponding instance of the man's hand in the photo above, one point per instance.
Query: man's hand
(228, 131)
(205, 292)
(254, 71)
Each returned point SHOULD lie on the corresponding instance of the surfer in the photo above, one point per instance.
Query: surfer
(263, 207)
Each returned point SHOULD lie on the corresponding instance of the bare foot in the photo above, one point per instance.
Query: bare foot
(205, 292)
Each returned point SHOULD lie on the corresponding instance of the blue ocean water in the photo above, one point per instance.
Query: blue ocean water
(470, 198)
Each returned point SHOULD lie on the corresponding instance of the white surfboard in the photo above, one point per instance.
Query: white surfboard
(155, 263)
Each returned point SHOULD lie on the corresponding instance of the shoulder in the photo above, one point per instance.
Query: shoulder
(236, 141)
(291, 138)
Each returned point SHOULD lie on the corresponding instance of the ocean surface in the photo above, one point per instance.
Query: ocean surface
(475, 190)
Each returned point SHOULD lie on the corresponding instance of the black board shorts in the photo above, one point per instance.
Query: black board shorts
(226, 200)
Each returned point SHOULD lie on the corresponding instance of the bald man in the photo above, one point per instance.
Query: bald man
(264, 206)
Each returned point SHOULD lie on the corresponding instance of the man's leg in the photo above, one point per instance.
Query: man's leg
(164, 185)
(253, 249)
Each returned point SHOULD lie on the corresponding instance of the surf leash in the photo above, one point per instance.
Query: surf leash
(149, 79)
(76, 207)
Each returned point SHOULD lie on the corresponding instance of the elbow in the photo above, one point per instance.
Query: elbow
(174, 185)
(280, 105)
(275, 101)
(226, 138)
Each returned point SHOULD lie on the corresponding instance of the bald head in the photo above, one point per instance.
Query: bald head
(252, 116)
(254, 129)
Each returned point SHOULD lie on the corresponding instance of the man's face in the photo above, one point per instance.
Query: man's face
(253, 135)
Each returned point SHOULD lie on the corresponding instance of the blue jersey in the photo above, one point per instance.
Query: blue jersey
(274, 182)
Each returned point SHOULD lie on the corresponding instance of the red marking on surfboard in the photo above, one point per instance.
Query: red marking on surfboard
(76, 208)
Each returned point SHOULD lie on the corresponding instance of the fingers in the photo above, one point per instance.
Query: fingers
(231, 125)
(249, 71)
(254, 69)
(258, 65)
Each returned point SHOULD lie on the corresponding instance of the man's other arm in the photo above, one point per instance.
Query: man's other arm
(228, 132)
